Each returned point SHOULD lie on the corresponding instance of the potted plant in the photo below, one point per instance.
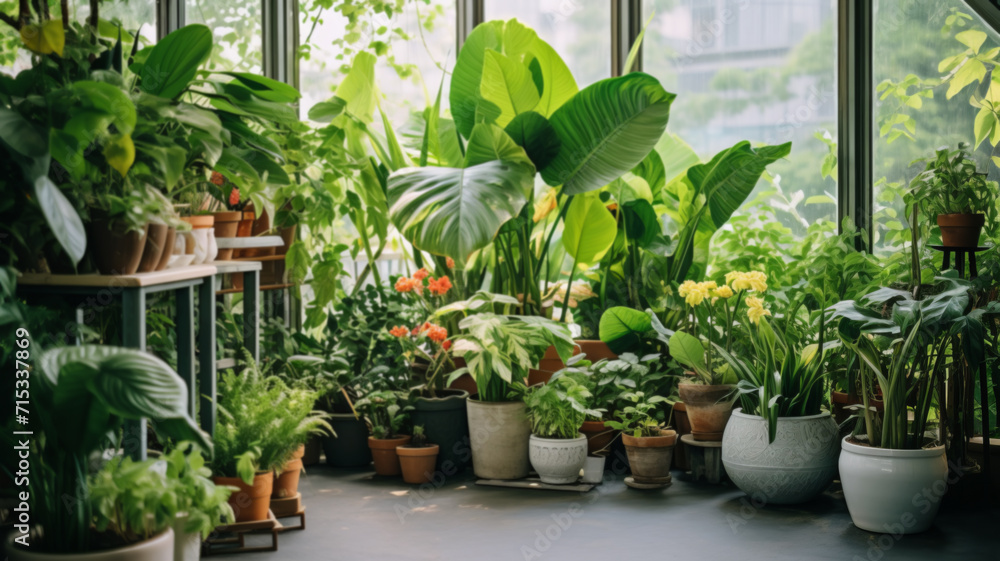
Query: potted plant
(780, 447)
(709, 397)
(385, 416)
(299, 423)
(902, 344)
(255, 435)
(417, 458)
(649, 446)
(557, 450)
(75, 416)
(201, 505)
(951, 189)
(500, 350)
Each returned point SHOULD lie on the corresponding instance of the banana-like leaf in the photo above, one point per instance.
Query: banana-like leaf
(606, 130)
(508, 85)
(173, 61)
(729, 178)
(589, 230)
(455, 211)
(490, 142)
(535, 134)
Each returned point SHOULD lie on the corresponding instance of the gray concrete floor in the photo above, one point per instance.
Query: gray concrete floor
(356, 515)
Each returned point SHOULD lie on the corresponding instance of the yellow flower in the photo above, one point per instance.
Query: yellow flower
(732, 275)
(545, 205)
(708, 285)
(757, 280)
(723, 292)
(686, 287)
(755, 309)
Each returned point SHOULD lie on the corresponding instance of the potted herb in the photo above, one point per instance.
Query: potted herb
(417, 458)
(712, 309)
(649, 446)
(557, 450)
(951, 189)
(902, 344)
(780, 445)
(81, 395)
(500, 350)
(201, 504)
(385, 415)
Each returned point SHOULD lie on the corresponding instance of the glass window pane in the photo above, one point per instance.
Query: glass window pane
(763, 71)
(237, 29)
(579, 31)
(919, 107)
(414, 47)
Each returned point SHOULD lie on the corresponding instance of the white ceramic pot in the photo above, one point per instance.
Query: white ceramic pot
(187, 545)
(593, 469)
(200, 237)
(558, 460)
(797, 466)
(213, 247)
(893, 491)
(498, 436)
(158, 548)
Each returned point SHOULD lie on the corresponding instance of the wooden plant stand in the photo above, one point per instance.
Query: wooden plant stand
(231, 538)
(705, 457)
(289, 508)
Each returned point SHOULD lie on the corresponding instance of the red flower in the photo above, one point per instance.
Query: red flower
(218, 178)
(399, 331)
(450, 263)
(439, 286)
(234, 197)
(421, 274)
(446, 345)
(437, 333)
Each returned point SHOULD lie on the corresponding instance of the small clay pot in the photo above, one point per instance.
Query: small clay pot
(286, 484)
(708, 409)
(960, 230)
(384, 454)
(649, 457)
(250, 502)
(156, 244)
(418, 464)
(226, 224)
(598, 436)
(116, 250)
(168, 249)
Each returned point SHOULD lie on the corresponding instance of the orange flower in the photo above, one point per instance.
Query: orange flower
(421, 274)
(446, 345)
(399, 331)
(450, 263)
(437, 333)
(406, 284)
(439, 286)
(234, 197)
(218, 178)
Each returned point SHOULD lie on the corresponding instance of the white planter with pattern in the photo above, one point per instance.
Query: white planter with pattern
(797, 466)
(558, 460)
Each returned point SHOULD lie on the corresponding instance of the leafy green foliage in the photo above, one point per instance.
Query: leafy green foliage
(641, 416)
(385, 411)
(950, 184)
(556, 409)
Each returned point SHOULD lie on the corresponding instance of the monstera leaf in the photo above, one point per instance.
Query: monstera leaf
(455, 211)
(606, 130)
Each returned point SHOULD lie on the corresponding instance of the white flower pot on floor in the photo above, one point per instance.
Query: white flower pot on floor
(558, 460)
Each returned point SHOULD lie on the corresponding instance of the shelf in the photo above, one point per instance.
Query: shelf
(260, 259)
(236, 266)
(119, 281)
(249, 242)
(265, 287)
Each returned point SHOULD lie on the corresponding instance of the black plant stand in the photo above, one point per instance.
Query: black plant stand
(960, 253)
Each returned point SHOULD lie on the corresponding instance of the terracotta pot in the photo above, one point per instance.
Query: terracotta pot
(683, 426)
(226, 224)
(157, 548)
(116, 250)
(250, 502)
(549, 365)
(286, 484)
(649, 456)
(599, 437)
(418, 464)
(260, 226)
(152, 251)
(314, 448)
(595, 349)
(244, 230)
(168, 249)
(960, 230)
(384, 454)
(708, 409)
(200, 221)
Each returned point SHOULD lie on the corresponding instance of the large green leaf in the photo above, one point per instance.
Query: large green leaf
(557, 82)
(468, 73)
(606, 130)
(727, 180)
(174, 60)
(489, 142)
(62, 218)
(455, 211)
(110, 100)
(358, 89)
(508, 85)
(689, 351)
(271, 90)
(535, 134)
(589, 230)
(28, 145)
(622, 328)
